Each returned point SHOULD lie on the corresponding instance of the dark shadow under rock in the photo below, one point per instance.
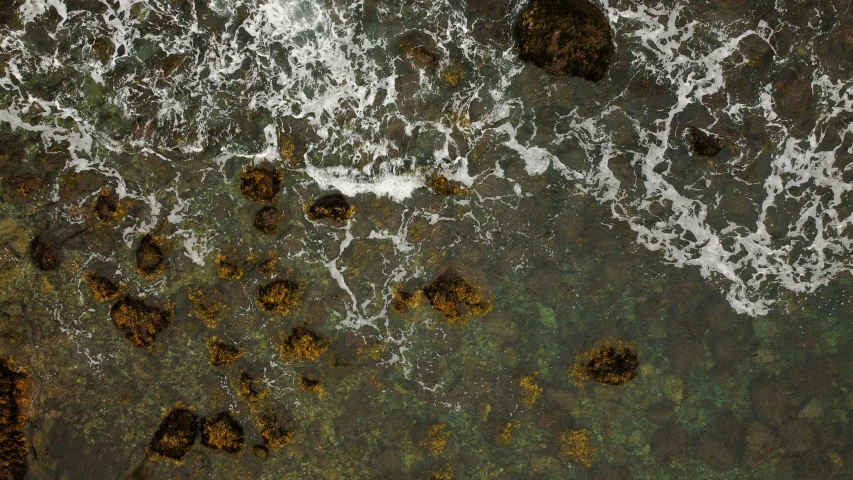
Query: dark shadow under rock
(704, 144)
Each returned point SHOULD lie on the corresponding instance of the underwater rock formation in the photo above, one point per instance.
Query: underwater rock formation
(103, 288)
(13, 415)
(221, 353)
(457, 298)
(419, 49)
(139, 323)
(610, 362)
(251, 387)
(279, 296)
(565, 37)
(334, 206)
(274, 430)
(266, 220)
(106, 206)
(176, 434)
(260, 184)
(44, 255)
(704, 144)
(228, 270)
(303, 344)
(222, 432)
(150, 260)
(440, 184)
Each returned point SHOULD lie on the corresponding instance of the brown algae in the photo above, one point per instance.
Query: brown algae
(103, 288)
(106, 205)
(222, 432)
(311, 384)
(530, 390)
(334, 206)
(260, 184)
(441, 184)
(140, 323)
(150, 260)
(13, 415)
(303, 344)
(221, 353)
(273, 428)
(176, 434)
(228, 270)
(575, 447)
(435, 440)
(457, 298)
(609, 362)
(279, 296)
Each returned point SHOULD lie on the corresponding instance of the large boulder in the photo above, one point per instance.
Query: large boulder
(565, 37)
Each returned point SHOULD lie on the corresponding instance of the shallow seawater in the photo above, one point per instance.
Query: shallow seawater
(578, 212)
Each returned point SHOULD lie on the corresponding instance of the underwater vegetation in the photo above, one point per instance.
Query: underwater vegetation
(140, 323)
(609, 362)
(106, 206)
(441, 184)
(44, 255)
(103, 289)
(575, 447)
(457, 298)
(221, 353)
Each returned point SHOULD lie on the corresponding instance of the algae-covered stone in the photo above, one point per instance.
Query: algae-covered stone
(279, 296)
(443, 185)
(140, 323)
(273, 428)
(251, 387)
(456, 297)
(45, 256)
(334, 206)
(103, 288)
(150, 260)
(106, 205)
(13, 416)
(575, 447)
(609, 362)
(565, 37)
(303, 344)
(176, 434)
(260, 184)
(221, 353)
(222, 432)
(266, 220)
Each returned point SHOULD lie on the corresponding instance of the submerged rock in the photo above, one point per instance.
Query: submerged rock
(303, 344)
(610, 362)
(251, 387)
(266, 220)
(106, 206)
(704, 144)
(150, 260)
(334, 206)
(139, 323)
(565, 37)
(176, 434)
(222, 432)
(44, 255)
(279, 296)
(274, 431)
(441, 184)
(228, 270)
(103, 288)
(221, 353)
(260, 184)
(13, 416)
(419, 49)
(457, 298)
(25, 186)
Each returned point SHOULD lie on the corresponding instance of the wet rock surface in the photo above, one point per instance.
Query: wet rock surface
(140, 323)
(565, 37)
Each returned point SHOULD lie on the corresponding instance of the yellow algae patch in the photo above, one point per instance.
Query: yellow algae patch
(530, 391)
(610, 362)
(441, 184)
(303, 344)
(311, 384)
(279, 296)
(228, 270)
(456, 298)
(505, 435)
(221, 353)
(103, 289)
(575, 447)
(435, 440)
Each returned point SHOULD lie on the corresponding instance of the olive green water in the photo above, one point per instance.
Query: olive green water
(404, 394)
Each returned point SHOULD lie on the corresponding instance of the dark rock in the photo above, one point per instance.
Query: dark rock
(25, 186)
(767, 398)
(704, 144)
(669, 443)
(260, 184)
(105, 206)
(565, 37)
(222, 432)
(609, 362)
(334, 206)
(103, 288)
(419, 49)
(456, 297)
(150, 260)
(13, 416)
(759, 442)
(139, 323)
(176, 435)
(44, 255)
(266, 220)
(797, 436)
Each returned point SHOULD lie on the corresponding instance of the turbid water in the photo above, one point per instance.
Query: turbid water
(517, 276)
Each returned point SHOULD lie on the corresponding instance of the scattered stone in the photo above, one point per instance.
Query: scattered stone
(440, 184)
(457, 298)
(704, 144)
(222, 432)
(103, 288)
(565, 37)
(715, 453)
(609, 362)
(221, 353)
(228, 270)
(334, 206)
(279, 296)
(176, 434)
(150, 260)
(274, 430)
(44, 255)
(759, 443)
(266, 220)
(251, 388)
(139, 323)
(575, 447)
(106, 205)
(260, 184)
(303, 344)
(797, 436)
(13, 416)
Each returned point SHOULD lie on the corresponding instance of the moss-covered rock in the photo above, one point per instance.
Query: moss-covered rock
(150, 259)
(565, 37)
(260, 184)
(222, 432)
(334, 206)
(13, 415)
(140, 323)
(176, 434)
